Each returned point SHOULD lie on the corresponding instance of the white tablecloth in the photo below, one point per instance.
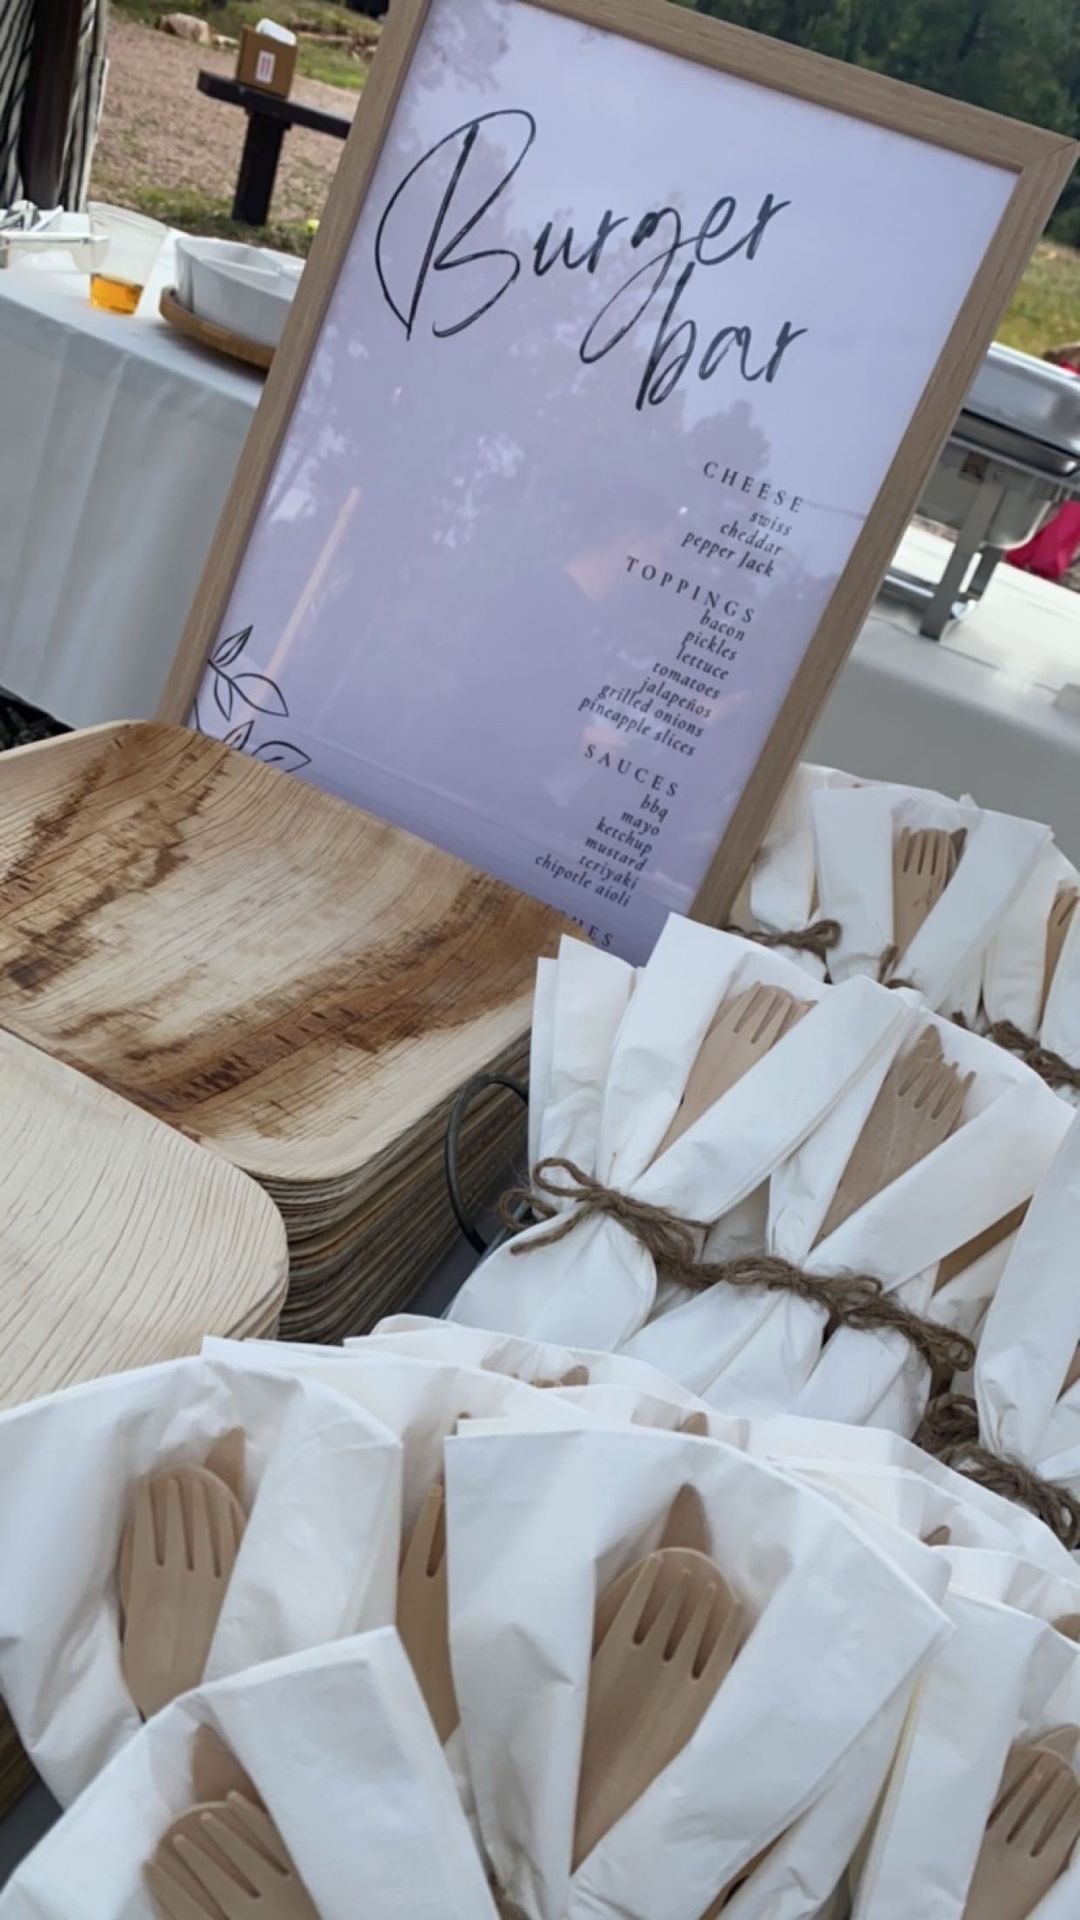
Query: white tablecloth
(984, 711)
(118, 440)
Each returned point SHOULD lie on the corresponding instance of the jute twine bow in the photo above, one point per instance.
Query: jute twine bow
(819, 938)
(850, 1299)
(1043, 1060)
(950, 1431)
(672, 1241)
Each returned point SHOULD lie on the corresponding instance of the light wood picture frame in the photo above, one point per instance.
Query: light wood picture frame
(1033, 166)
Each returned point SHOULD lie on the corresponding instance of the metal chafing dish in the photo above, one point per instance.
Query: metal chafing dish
(1012, 457)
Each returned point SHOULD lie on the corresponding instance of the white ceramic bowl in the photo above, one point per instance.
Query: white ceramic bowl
(247, 290)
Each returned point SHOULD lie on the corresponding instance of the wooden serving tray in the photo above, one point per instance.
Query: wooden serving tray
(279, 975)
(207, 334)
(121, 1242)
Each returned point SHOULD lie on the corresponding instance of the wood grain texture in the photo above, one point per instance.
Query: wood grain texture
(1041, 162)
(277, 974)
(206, 333)
(122, 1242)
(919, 1105)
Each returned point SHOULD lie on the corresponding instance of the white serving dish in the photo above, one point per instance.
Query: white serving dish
(246, 290)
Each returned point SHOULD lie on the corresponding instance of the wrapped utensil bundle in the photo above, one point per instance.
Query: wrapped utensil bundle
(297, 1540)
(917, 885)
(786, 1195)
(1027, 1370)
(1031, 979)
(652, 1662)
(682, 1116)
(974, 908)
(780, 893)
(332, 1751)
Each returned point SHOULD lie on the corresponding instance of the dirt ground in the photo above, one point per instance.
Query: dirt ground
(158, 131)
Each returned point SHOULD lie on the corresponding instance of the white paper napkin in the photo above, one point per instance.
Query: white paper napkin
(927, 1838)
(1032, 1331)
(318, 1560)
(340, 1746)
(538, 1525)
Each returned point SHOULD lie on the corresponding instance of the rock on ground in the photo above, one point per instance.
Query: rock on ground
(186, 26)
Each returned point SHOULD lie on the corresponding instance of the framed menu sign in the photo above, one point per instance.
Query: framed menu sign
(625, 347)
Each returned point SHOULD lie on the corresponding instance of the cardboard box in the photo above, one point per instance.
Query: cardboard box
(265, 63)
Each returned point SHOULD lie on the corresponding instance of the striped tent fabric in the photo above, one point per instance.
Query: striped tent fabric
(17, 19)
(88, 96)
(16, 39)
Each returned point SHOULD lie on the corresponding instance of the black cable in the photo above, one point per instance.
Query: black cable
(470, 1092)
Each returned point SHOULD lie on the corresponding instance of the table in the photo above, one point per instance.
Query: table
(269, 118)
(119, 442)
(985, 710)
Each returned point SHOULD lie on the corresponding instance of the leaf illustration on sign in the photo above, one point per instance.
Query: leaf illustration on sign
(282, 755)
(260, 692)
(260, 695)
(228, 651)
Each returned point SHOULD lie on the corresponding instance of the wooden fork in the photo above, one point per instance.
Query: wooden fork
(423, 1612)
(1032, 1830)
(176, 1559)
(744, 1028)
(924, 861)
(1057, 926)
(687, 1524)
(980, 1244)
(226, 1861)
(215, 1772)
(573, 1377)
(919, 1106)
(664, 1637)
(695, 1423)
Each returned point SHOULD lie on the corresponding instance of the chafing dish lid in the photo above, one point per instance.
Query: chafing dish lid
(1029, 396)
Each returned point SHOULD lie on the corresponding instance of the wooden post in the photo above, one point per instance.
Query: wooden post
(258, 169)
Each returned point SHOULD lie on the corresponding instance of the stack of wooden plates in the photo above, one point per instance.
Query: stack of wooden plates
(121, 1243)
(275, 974)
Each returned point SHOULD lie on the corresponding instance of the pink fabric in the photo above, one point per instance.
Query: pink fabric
(1053, 550)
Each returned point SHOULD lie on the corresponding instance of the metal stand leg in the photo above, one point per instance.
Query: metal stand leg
(950, 588)
(984, 572)
(258, 167)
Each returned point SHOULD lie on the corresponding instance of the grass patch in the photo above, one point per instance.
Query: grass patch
(1046, 309)
(335, 44)
(195, 212)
